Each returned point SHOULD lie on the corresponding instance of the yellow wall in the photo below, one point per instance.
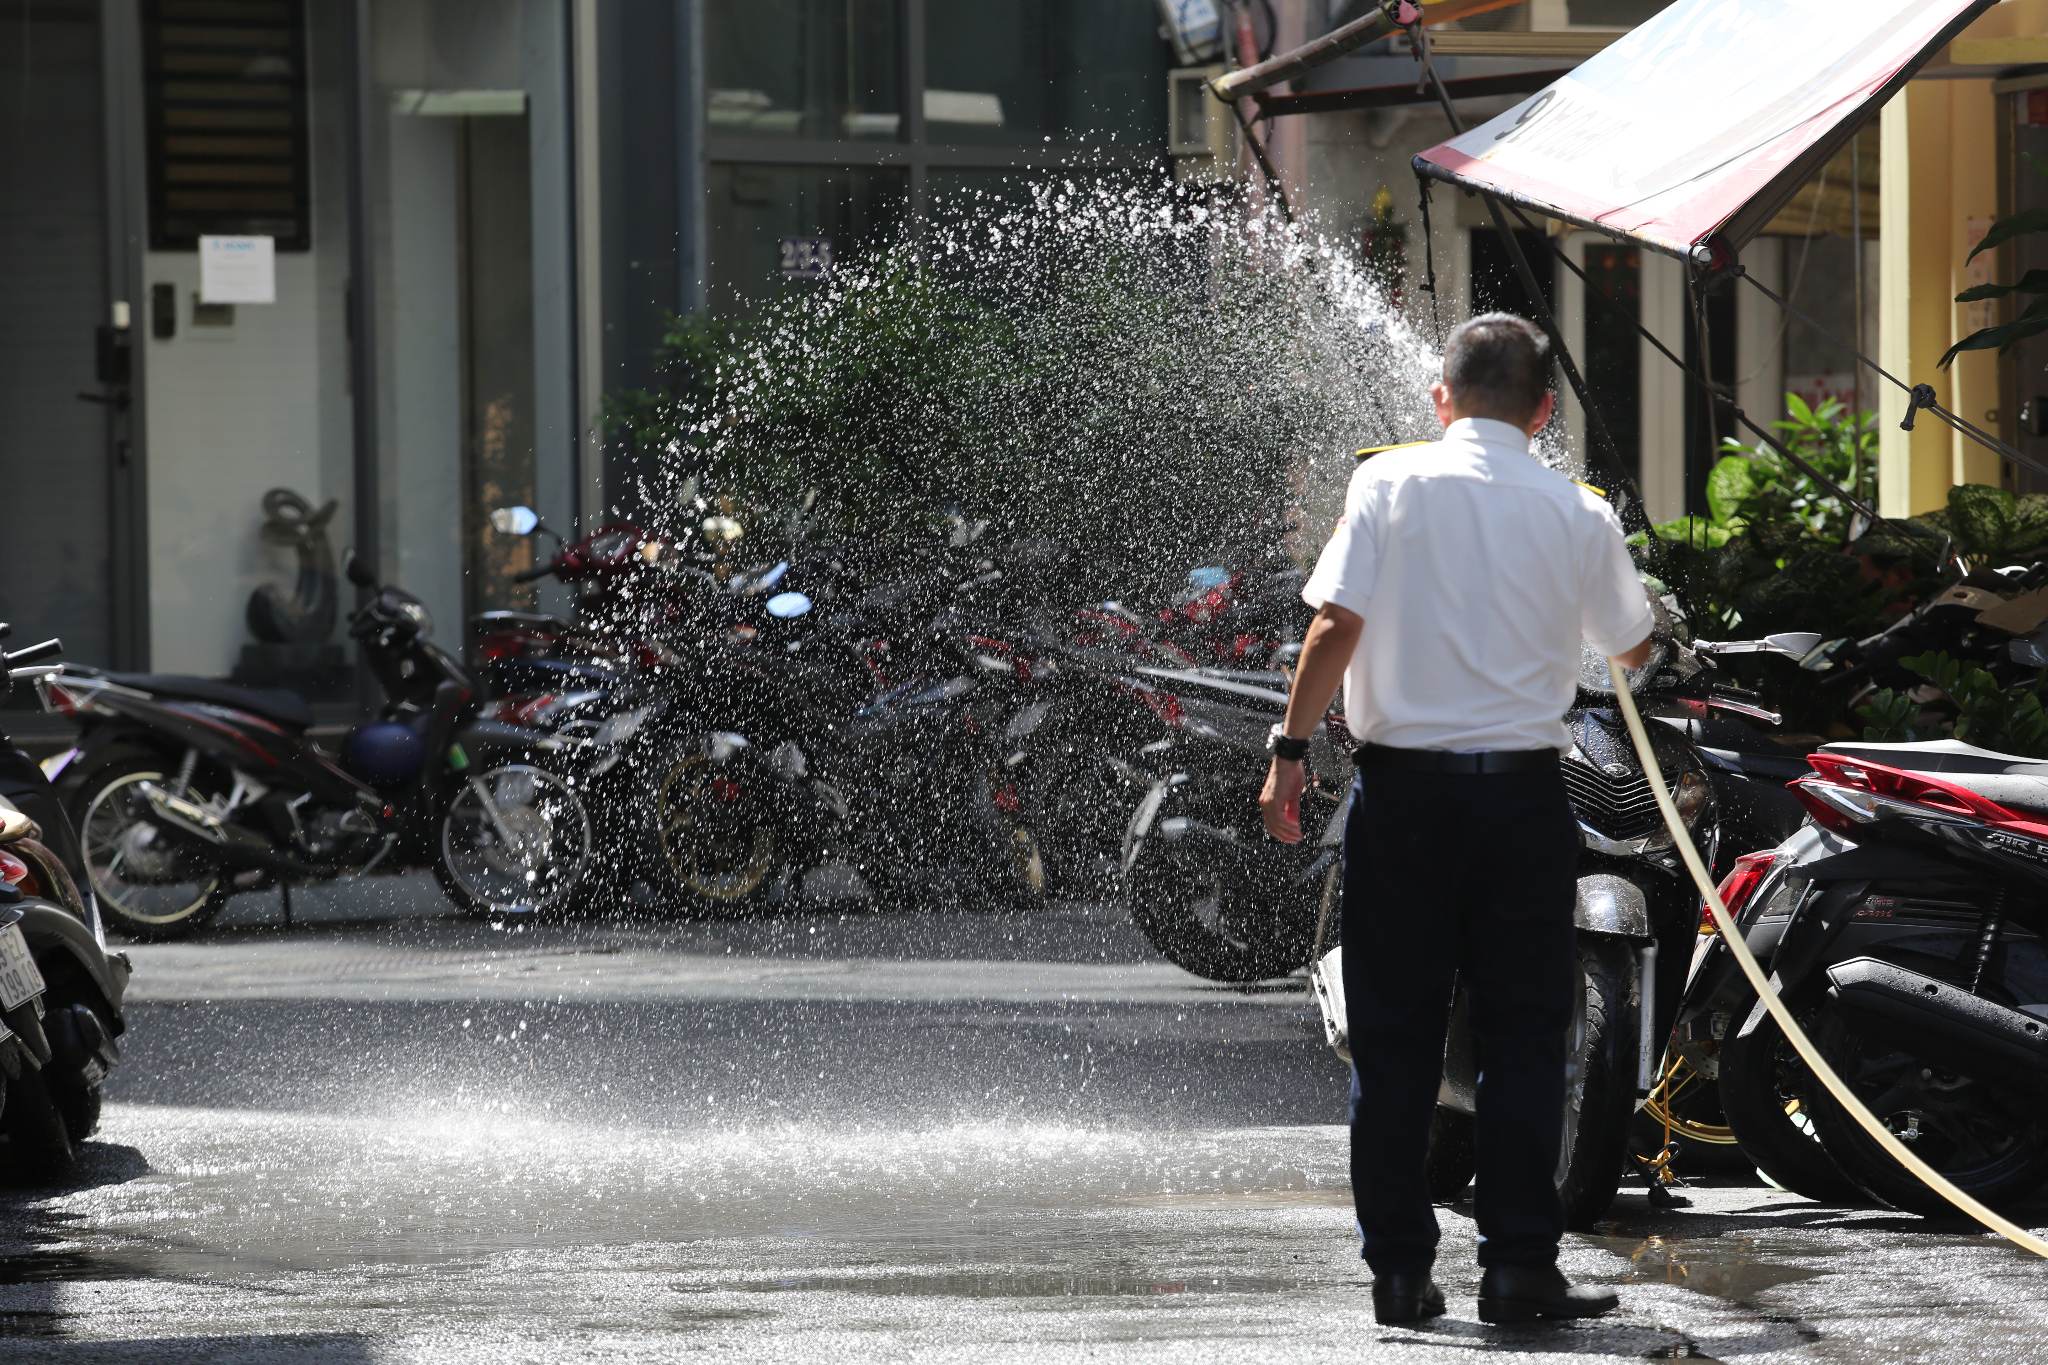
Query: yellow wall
(1940, 158)
(1940, 172)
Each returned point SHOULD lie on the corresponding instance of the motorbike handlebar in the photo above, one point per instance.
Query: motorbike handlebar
(46, 649)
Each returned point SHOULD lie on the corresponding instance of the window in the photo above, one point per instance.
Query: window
(823, 69)
(225, 100)
(783, 226)
(1025, 70)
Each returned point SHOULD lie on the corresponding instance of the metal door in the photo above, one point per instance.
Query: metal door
(65, 385)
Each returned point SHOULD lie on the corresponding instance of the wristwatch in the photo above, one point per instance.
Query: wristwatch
(1280, 746)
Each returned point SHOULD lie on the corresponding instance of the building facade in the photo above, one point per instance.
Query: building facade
(1873, 251)
(389, 255)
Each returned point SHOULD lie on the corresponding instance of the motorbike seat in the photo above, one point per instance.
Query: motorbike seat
(14, 826)
(2008, 779)
(288, 709)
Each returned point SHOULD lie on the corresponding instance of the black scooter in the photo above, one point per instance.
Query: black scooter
(53, 1103)
(1904, 926)
(186, 791)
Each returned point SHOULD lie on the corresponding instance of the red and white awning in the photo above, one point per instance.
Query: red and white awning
(1692, 130)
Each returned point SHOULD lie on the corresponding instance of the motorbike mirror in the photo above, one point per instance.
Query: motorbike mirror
(358, 572)
(787, 606)
(514, 521)
(2031, 652)
(1797, 643)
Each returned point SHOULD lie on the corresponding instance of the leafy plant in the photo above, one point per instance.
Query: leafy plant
(1989, 527)
(1769, 554)
(2033, 319)
(1960, 700)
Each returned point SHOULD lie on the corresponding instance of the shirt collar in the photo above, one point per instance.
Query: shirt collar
(1488, 432)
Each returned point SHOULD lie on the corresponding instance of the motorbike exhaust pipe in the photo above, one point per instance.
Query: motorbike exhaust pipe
(236, 847)
(1941, 1024)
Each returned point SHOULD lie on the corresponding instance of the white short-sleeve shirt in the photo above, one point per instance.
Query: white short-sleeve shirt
(1478, 570)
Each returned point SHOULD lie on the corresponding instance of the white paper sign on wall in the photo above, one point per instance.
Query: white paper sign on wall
(238, 270)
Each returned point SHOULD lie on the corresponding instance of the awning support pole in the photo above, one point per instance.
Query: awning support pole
(1436, 322)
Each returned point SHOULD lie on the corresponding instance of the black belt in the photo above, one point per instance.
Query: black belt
(1381, 758)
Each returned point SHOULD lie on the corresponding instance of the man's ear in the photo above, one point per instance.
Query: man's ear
(1545, 410)
(1440, 395)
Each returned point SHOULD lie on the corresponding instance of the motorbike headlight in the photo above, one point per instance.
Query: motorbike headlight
(1690, 796)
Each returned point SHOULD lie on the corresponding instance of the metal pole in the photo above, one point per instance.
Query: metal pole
(362, 313)
(1368, 28)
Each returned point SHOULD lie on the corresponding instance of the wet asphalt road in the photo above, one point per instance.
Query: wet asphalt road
(391, 1135)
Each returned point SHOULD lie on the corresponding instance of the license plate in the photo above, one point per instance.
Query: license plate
(19, 979)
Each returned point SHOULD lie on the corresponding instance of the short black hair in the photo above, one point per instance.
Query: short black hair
(1498, 365)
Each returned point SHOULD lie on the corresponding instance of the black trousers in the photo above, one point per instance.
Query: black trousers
(1451, 877)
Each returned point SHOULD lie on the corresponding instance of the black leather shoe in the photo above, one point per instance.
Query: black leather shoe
(1524, 1293)
(1405, 1298)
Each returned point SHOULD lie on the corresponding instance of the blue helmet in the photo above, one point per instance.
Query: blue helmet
(385, 754)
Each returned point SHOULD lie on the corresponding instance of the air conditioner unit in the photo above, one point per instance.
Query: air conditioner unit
(1201, 132)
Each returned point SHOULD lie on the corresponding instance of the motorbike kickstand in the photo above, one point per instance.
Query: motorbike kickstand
(1664, 1182)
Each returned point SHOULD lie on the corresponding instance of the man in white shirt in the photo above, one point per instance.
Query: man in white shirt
(1450, 603)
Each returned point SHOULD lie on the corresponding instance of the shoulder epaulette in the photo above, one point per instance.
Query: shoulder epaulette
(1381, 450)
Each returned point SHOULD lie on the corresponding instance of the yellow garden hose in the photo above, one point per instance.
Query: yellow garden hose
(1732, 936)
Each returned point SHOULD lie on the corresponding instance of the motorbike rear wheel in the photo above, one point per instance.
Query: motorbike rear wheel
(1763, 1089)
(40, 1146)
(1989, 1140)
(1225, 912)
(148, 886)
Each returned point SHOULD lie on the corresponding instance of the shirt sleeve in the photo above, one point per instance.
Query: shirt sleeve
(1350, 562)
(1614, 606)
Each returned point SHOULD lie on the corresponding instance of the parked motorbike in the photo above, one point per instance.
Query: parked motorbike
(186, 791)
(53, 1103)
(1202, 880)
(1911, 947)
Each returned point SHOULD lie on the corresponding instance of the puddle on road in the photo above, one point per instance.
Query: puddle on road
(263, 1193)
(1725, 1267)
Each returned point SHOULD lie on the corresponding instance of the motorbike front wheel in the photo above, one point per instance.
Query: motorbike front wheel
(515, 841)
(1225, 909)
(1599, 1107)
(717, 841)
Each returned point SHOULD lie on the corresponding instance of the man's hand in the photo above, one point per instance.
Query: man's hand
(1280, 802)
(1640, 655)
(1317, 675)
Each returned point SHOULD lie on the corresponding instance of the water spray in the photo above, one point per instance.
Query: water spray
(1732, 935)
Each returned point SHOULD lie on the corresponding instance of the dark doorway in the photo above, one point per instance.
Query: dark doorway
(1496, 284)
(58, 421)
(1708, 422)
